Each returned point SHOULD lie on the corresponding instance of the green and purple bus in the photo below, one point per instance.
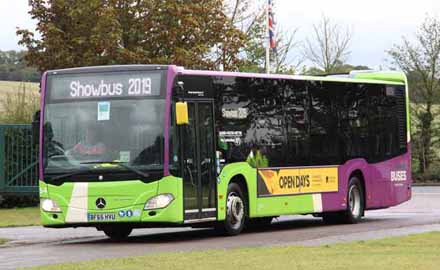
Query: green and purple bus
(136, 146)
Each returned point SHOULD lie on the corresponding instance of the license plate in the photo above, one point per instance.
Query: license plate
(101, 216)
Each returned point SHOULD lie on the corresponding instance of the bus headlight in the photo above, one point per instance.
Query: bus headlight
(49, 205)
(159, 201)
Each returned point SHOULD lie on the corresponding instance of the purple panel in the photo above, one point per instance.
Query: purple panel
(380, 191)
(42, 105)
(172, 71)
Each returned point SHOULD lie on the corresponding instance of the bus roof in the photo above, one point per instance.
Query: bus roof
(377, 77)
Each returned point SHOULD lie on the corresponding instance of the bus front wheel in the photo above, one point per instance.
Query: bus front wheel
(355, 205)
(117, 232)
(236, 210)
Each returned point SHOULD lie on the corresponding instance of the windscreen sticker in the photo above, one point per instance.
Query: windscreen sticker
(103, 111)
(293, 181)
(124, 156)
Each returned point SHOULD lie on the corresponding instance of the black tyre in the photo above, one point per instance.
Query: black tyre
(117, 232)
(355, 205)
(236, 211)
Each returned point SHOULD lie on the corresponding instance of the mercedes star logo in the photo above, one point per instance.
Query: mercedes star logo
(100, 203)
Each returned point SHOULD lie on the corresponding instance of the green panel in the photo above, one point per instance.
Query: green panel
(385, 76)
(61, 195)
(43, 189)
(370, 80)
(52, 219)
(228, 172)
(284, 205)
(121, 194)
(264, 206)
(174, 212)
(408, 120)
(120, 197)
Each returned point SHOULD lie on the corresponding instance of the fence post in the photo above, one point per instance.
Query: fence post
(2, 159)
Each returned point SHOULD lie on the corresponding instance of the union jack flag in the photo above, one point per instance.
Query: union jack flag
(271, 22)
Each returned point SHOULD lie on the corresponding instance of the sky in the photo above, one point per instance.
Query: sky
(376, 24)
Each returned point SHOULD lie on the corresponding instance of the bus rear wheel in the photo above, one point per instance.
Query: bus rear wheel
(236, 211)
(355, 205)
(117, 232)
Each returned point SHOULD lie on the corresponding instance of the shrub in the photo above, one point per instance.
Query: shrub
(19, 106)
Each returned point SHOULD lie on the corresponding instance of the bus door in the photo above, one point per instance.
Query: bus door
(199, 188)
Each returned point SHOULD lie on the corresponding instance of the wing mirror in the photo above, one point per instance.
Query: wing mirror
(182, 113)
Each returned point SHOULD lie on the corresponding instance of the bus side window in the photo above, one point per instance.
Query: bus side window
(268, 120)
(353, 120)
(323, 123)
(297, 123)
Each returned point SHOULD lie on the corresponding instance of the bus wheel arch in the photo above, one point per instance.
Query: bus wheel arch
(237, 207)
(360, 175)
(240, 180)
(355, 202)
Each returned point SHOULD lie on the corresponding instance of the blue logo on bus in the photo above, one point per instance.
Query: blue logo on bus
(127, 213)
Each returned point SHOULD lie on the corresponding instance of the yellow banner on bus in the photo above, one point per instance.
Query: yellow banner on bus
(293, 181)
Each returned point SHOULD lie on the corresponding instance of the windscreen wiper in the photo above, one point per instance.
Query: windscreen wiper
(123, 165)
(62, 176)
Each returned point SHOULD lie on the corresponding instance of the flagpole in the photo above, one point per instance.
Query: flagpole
(267, 40)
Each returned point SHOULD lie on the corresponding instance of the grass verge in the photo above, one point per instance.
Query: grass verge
(3, 241)
(19, 217)
(409, 252)
(8, 87)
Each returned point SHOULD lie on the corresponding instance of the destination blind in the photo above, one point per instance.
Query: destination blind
(105, 85)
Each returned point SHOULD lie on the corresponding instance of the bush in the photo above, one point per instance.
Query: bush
(431, 175)
(19, 106)
(11, 201)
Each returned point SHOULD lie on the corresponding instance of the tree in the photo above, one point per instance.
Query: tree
(285, 59)
(250, 18)
(420, 59)
(13, 67)
(99, 32)
(328, 48)
(229, 53)
(340, 69)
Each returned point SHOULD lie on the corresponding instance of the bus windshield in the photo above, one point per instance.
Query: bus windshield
(95, 134)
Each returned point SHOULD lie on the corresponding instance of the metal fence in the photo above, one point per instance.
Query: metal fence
(18, 160)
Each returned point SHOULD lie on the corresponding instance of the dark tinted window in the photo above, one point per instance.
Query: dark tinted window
(387, 122)
(234, 111)
(299, 123)
(251, 119)
(353, 121)
(268, 124)
(297, 120)
(324, 143)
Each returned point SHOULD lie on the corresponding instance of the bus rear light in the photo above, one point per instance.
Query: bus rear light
(159, 201)
(49, 205)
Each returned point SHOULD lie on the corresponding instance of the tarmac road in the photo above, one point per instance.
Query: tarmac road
(34, 246)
